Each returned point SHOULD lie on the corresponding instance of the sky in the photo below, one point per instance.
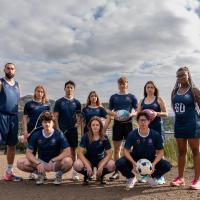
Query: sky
(94, 42)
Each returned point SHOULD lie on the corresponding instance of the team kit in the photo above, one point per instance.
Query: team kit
(51, 134)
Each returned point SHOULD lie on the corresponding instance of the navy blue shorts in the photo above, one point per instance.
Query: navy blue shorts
(72, 137)
(121, 130)
(9, 129)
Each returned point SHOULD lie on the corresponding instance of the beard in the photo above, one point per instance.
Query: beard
(9, 76)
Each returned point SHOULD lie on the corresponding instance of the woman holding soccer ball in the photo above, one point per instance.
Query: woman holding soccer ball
(185, 99)
(143, 143)
(154, 104)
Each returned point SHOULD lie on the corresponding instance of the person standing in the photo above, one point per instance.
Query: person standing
(65, 110)
(121, 101)
(185, 99)
(33, 110)
(9, 99)
(153, 101)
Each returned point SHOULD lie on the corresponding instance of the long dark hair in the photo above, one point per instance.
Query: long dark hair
(156, 92)
(101, 131)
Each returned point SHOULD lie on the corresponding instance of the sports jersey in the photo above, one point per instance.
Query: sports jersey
(89, 112)
(95, 151)
(67, 109)
(143, 146)
(187, 121)
(157, 123)
(48, 147)
(9, 98)
(122, 102)
(33, 110)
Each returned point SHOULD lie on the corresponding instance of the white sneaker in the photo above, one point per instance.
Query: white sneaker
(160, 180)
(58, 179)
(131, 183)
(152, 182)
(75, 176)
(40, 179)
(33, 176)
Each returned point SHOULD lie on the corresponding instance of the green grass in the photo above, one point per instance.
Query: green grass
(171, 153)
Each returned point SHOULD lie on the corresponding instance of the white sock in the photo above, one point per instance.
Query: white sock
(9, 168)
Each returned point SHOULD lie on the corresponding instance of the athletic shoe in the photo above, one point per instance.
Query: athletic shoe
(115, 176)
(86, 180)
(142, 179)
(102, 180)
(177, 182)
(160, 180)
(40, 179)
(195, 184)
(12, 177)
(75, 176)
(33, 175)
(58, 179)
(151, 181)
(131, 183)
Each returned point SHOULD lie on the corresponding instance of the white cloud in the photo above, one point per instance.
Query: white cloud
(95, 42)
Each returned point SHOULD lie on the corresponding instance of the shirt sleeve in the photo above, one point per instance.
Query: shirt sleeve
(107, 144)
(32, 143)
(129, 141)
(63, 141)
(158, 141)
(26, 109)
(134, 102)
(103, 112)
(83, 142)
(111, 104)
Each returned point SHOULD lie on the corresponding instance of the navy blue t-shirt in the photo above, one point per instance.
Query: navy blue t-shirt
(123, 102)
(143, 147)
(48, 147)
(33, 110)
(9, 97)
(157, 123)
(95, 151)
(187, 121)
(89, 112)
(67, 109)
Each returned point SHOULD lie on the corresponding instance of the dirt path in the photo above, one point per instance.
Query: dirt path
(27, 190)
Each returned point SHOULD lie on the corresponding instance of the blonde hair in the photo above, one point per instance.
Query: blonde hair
(89, 101)
(44, 98)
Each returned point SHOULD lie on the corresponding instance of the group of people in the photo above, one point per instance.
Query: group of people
(52, 137)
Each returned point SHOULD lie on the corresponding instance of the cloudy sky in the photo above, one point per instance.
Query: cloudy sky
(93, 42)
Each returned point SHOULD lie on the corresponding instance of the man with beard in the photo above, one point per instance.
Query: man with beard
(9, 98)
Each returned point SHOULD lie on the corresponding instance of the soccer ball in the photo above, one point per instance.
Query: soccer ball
(144, 167)
(150, 113)
(122, 115)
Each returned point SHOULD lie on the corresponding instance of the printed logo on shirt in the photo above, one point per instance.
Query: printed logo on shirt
(53, 141)
(150, 141)
(39, 141)
(138, 141)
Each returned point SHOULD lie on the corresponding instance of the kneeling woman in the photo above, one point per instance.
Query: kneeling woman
(53, 152)
(95, 151)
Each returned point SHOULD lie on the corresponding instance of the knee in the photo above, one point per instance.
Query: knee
(120, 163)
(67, 162)
(182, 152)
(78, 165)
(111, 166)
(168, 166)
(21, 163)
(196, 151)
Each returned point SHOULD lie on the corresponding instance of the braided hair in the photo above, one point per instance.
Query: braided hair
(191, 83)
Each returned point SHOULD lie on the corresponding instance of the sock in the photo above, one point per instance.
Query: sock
(9, 168)
(59, 173)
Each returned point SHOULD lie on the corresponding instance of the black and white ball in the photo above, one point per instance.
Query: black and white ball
(144, 167)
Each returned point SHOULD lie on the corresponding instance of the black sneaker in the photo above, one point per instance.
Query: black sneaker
(103, 180)
(86, 180)
(115, 176)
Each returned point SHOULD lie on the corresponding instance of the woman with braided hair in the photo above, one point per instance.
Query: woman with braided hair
(185, 99)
